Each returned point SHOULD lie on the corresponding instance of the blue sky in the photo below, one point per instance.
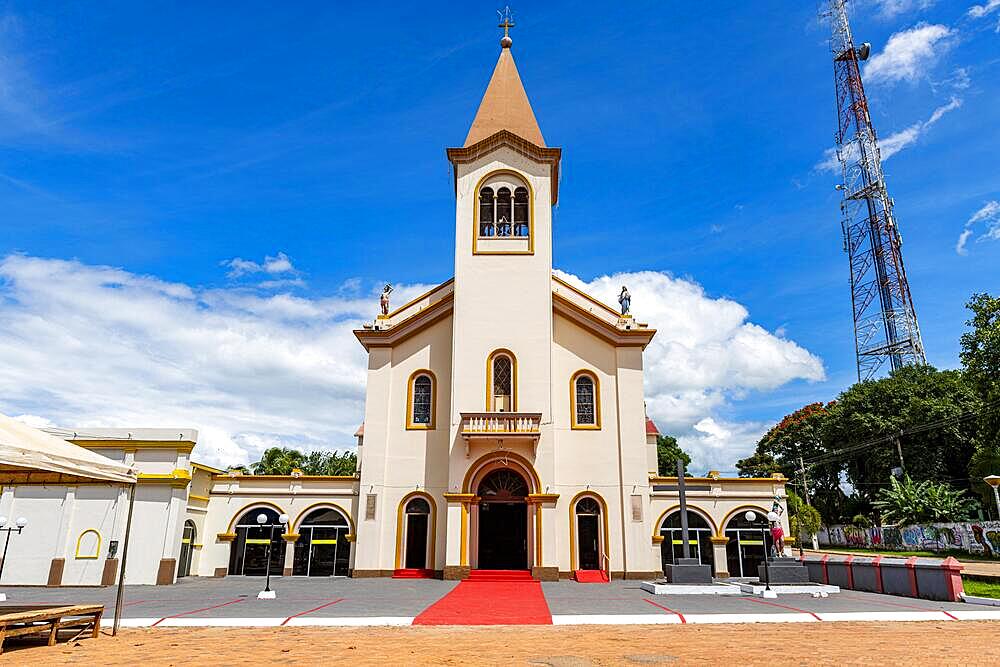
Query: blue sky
(145, 146)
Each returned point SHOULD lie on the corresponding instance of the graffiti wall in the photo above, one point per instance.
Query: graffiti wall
(981, 537)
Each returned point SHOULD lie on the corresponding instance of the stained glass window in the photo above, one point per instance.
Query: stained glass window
(422, 400)
(585, 411)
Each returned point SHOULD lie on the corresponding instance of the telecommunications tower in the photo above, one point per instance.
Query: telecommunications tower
(885, 323)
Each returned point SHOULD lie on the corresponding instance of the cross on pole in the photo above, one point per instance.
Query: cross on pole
(506, 20)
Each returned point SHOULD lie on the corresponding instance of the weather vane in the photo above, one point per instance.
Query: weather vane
(506, 20)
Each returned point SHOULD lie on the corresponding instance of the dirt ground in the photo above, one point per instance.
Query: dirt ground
(841, 644)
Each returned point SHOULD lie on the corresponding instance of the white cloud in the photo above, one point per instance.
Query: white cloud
(888, 9)
(90, 346)
(989, 214)
(271, 265)
(979, 11)
(893, 143)
(705, 355)
(908, 54)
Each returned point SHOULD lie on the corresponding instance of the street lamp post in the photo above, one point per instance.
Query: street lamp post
(267, 593)
(994, 481)
(751, 516)
(18, 526)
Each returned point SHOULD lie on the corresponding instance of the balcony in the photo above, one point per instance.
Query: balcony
(500, 426)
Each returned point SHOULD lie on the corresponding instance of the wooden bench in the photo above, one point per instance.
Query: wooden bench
(19, 620)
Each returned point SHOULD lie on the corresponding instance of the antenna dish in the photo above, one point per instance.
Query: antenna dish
(864, 51)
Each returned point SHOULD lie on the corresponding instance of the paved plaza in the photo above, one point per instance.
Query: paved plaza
(385, 602)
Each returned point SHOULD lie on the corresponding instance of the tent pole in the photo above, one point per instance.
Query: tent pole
(121, 572)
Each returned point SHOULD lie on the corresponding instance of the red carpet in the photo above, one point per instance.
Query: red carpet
(591, 576)
(497, 597)
(412, 573)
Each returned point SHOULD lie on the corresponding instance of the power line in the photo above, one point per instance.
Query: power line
(829, 457)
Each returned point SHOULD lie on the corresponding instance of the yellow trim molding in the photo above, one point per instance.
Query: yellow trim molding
(543, 497)
(741, 508)
(97, 549)
(179, 478)
(208, 469)
(458, 497)
(480, 464)
(531, 216)
(410, 424)
(246, 508)
(657, 539)
(290, 537)
(418, 299)
(716, 539)
(297, 524)
(175, 445)
(226, 537)
(676, 508)
(576, 426)
(203, 499)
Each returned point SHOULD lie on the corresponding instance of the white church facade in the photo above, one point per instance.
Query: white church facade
(504, 428)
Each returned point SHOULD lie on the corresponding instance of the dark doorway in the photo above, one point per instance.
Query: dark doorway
(503, 536)
(416, 541)
(187, 543)
(589, 551)
(503, 521)
(322, 549)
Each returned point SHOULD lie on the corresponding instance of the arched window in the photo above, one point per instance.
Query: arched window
(586, 407)
(504, 215)
(420, 401)
(521, 212)
(745, 548)
(322, 549)
(486, 203)
(502, 381)
(699, 539)
(418, 506)
(250, 551)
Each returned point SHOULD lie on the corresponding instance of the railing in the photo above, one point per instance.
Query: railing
(501, 423)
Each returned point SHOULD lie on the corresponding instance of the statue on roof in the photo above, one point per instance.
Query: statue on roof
(625, 300)
(384, 299)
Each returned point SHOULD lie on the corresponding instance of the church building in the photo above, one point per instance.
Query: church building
(505, 425)
(504, 429)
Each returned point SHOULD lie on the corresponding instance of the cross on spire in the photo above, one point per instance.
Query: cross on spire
(506, 22)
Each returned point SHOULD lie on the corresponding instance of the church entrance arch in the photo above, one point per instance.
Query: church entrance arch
(502, 521)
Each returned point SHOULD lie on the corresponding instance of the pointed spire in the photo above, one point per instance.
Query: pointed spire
(505, 105)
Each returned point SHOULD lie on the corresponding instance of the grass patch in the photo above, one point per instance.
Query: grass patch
(982, 589)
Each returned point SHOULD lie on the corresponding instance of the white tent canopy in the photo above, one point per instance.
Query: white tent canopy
(26, 447)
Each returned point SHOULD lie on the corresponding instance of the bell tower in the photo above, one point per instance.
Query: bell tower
(506, 182)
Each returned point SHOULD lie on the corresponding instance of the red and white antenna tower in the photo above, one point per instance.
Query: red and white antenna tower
(885, 322)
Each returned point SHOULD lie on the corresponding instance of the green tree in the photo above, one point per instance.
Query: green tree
(282, 460)
(277, 461)
(910, 502)
(909, 397)
(981, 358)
(803, 519)
(799, 434)
(330, 463)
(667, 453)
(758, 464)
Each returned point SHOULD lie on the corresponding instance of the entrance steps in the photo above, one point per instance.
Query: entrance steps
(591, 576)
(501, 575)
(412, 573)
